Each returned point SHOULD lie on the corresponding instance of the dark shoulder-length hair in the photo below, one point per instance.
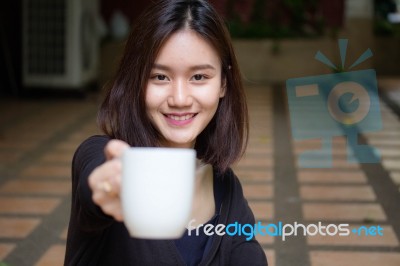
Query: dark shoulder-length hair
(123, 115)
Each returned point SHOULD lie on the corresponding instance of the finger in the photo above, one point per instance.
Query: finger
(113, 208)
(115, 183)
(104, 198)
(115, 148)
(110, 186)
(106, 171)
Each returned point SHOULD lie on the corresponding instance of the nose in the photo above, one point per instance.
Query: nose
(180, 94)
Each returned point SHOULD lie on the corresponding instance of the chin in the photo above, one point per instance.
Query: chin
(180, 143)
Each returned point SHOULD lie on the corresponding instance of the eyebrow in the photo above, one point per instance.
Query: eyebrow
(196, 67)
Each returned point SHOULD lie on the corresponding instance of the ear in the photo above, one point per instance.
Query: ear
(223, 88)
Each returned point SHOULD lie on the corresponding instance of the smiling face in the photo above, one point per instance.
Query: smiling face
(184, 88)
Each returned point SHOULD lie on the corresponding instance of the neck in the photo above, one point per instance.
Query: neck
(203, 174)
(203, 200)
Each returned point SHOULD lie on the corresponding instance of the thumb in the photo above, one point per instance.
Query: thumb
(115, 148)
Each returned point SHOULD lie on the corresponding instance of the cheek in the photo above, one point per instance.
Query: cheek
(211, 98)
(151, 110)
(214, 102)
(152, 99)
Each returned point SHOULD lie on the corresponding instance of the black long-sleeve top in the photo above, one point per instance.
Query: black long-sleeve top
(95, 238)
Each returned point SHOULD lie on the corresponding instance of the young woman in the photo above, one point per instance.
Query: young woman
(178, 85)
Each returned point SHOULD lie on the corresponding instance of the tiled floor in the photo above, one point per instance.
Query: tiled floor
(37, 141)
(38, 138)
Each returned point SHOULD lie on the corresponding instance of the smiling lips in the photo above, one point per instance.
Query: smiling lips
(180, 119)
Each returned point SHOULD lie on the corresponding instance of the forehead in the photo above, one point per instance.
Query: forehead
(187, 46)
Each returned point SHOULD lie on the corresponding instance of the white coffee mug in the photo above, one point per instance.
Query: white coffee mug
(157, 191)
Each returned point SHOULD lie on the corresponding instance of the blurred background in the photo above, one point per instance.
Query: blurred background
(56, 56)
(68, 44)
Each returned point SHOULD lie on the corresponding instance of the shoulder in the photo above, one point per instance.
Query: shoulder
(232, 184)
(96, 141)
(238, 205)
(90, 151)
(239, 249)
(92, 144)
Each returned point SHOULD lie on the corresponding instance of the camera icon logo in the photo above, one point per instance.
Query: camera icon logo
(340, 104)
(344, 102)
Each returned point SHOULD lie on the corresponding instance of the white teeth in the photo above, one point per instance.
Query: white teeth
(180, 118)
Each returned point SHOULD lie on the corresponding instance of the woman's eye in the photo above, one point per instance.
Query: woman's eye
(198, 77)
(160, 77)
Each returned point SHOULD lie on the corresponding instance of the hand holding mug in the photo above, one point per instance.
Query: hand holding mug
(105, 180)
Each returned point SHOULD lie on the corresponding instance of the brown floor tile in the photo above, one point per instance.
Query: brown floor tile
(23, 205)
(19, 145)
(339, 153)
(17, 227)
(336, 151)
(261, 129)
(10, 156)
(264, 138)
(57, 157)
(258, 153)
(84, 133)
(343, 211)
(262, 210)
(264, 126)
(260, 110)
(46, 125)
(256, 162)
(5, 249)
(47, 171)
(64, 234)
(53, 256)
(264, 104)
(259, 148)
(389, 152)
(395, 177)
(323, 176)
(391, 164)
(248, 175)
(360, 192)
(258, 191)
(393, 141)
(387, 240)
(336, 258)
(304, 145)
(316, 143)
(344, 164)
(29, 134)
(336, 164)
(23, 186)
(70, 146)
(382, 134)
